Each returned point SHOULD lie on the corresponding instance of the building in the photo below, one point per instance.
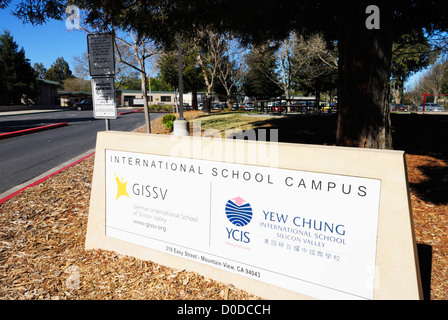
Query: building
(69, 98)
(48, 93)
(134, 98)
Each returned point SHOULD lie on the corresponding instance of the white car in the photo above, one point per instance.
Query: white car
(249, 106)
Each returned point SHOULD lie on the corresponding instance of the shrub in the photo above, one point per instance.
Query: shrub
(168, 121)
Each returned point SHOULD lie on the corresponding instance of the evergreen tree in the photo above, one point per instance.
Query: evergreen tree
(40, 70)
(410, 53)
(17, 77)
(260, 79)
(59, 71)
(191, 73)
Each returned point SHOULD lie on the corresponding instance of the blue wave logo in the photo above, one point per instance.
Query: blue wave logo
(238, 211)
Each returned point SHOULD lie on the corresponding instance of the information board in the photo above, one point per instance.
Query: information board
(245, 219)
(100, 48)
(103, 94)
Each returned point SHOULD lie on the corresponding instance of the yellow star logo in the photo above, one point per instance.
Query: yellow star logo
(121, 188)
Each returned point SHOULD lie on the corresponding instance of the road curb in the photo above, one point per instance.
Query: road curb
(31, 130)
(127, 112)
(27, 112)
(45, 177)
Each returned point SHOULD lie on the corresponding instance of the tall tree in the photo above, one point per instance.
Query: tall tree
(59, 71)
(261, 78)
(410, 53)
(193, 79)
(210, 55)
(231, 68)
(39, 70)
(434, 79)
(17, 77)
(137, 52)
(316, 65)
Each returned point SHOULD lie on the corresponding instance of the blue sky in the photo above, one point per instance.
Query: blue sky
(44, 43)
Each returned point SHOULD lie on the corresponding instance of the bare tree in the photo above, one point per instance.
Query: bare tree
(295, 54)
(137, 53)
(287, 64)
(231, 68)
(434, 78)
(209, 58)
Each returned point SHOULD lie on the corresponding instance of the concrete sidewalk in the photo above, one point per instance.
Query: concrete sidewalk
(23, 112)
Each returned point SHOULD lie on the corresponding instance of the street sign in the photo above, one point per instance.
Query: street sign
(100, 47)
(103, 92)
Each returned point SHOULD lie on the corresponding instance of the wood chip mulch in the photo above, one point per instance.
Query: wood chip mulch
(42, 234)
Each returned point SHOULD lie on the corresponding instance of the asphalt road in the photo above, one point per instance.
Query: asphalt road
(24, 158)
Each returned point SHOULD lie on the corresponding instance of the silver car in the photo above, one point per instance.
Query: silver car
(430, 107)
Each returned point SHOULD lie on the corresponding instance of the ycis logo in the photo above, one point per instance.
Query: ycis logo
(239, 213)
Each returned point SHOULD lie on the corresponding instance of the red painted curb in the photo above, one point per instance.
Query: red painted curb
(44, 178)
(126, 112)
(31, 130)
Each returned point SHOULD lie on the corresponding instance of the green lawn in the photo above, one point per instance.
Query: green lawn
(229, 122)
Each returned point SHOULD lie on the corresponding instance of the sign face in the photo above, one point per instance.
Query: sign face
(103, 94)
(101, 54)
(138, 102)
(246, 219)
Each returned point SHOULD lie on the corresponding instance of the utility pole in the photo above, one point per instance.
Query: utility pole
(180, 125)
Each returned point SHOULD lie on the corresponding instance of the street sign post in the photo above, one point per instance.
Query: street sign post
(101, 54)
(100, 48)
(103, 91)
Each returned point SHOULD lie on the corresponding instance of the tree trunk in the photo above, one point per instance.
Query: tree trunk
(145, 102)
(194, 99)
(364, 78)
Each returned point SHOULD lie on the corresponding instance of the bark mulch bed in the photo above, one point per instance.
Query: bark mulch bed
(42, 233)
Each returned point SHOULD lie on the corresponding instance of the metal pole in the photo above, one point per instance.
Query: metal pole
(107, 124)
(424, 100)
(181, 89)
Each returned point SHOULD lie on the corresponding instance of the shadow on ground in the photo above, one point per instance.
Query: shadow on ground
(425, 135)
(416, 134)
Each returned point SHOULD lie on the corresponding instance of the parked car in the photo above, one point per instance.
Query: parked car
(85, 104)
(187, 106)
(249, 106)
(430, 107)
(437, 108)
(399, 107)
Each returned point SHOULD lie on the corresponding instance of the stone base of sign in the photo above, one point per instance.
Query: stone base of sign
(180, 128)
(396, 273)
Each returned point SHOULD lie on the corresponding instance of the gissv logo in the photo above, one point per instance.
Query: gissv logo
(239, 212)
(121, 188)
(139, 190)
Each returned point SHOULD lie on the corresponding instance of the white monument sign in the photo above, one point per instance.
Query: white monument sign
(301, 227)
